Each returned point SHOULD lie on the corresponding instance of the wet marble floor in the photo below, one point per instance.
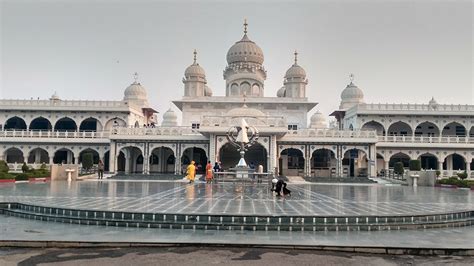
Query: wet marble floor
(238, 198)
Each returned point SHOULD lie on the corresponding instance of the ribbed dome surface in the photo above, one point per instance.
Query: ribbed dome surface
(135, 92)
(281, 92)
(170, 119)
(194, 70)
(245, 50)
(318, 120)
(245, 111)
(295, 71)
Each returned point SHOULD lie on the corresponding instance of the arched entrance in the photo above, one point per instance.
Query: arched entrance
(400, 129)
(121, 161)
(291, 162)
(454, 129)
(133, 160)
(38, 155)
(355, 163)
(40, 123)
(198, 155)
(114, 122)
(162, 160)
(95, 156)
(14, 155)
(399, 157)
(65, 124)
(381, 165)
(454, 162)
(323, 163)
(15, 123)
(63, 156)
(427, 129)
(373, 125)
(255, 155)
(428, 161)
(90, 124)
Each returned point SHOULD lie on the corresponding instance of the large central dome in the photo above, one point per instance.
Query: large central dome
(245, 50)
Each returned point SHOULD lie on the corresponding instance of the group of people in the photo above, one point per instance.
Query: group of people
(209, 174)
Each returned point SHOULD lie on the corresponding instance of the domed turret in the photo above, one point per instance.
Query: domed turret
(207, 91)
(245, 73)
(281, 92)
(318, 120)
(136, 93)
(194, 79)
(351, 95)
(295, 80)
(170, 119)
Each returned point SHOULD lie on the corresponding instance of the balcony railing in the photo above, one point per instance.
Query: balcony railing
(61, 103)
(166, 131)
(332, 133)
(53, 134)
(416, 107)
(426, 139)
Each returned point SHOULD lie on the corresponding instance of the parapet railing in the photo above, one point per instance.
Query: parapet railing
(62, 103)
(416, 107)
(426, 139)
(167, 131)
(332, 133)
(267, 121)
(53, 134)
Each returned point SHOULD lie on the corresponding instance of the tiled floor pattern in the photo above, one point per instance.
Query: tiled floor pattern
(247, 199)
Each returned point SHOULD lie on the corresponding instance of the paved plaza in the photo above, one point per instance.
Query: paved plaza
(238, 198)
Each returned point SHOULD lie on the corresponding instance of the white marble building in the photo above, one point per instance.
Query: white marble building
(369, 140)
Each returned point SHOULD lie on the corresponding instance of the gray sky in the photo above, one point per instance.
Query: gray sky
(399, 51)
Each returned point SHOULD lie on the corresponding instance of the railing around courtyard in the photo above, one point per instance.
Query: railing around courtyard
(53, 134)
(61, 103)
(333, 133)
(166, 131)
(267, 121)
(426, 139)
(416, 107)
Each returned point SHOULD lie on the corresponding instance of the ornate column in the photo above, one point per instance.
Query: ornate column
(113, 158)
(386, 166)
(177, 162)
(51, 160)
(275, 155)
(468, 169)
(146, 159)
(212, 148)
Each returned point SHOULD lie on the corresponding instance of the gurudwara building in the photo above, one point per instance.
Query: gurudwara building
(128, 136)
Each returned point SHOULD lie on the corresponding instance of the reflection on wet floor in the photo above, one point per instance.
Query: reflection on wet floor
(238, 198)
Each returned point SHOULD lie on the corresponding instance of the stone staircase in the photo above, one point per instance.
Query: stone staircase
(236, 222)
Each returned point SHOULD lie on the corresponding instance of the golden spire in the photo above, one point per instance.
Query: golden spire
(245, 26)
(195, 54)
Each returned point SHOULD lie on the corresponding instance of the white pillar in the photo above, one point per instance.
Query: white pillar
(468, 169)
(386, 166)
(127, 163)
(112, 158)
(440, 166)
(51, 160)
(37, 156)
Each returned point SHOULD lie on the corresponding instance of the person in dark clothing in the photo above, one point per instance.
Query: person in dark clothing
(281, 186)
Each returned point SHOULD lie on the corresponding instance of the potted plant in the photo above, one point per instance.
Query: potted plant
(398, 169)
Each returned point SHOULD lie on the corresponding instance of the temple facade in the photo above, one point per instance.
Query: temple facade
(129, 137)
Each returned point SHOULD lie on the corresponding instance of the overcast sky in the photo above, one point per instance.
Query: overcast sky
(400, 51)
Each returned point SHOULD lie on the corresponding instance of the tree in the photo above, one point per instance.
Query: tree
(462, 175)
(398, 168)
(24, 168)
(87, 160)
(4, 167)
(415, 165)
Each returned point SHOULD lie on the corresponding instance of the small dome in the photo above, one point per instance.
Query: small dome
(194, 70)
(244, 111)
(135, 92)
(433, 101)
(295, 71)
(245, 50)
(318, 120)
(207, 91)
(281, 92)
(170, 119)
(351, 96)
(55, 97)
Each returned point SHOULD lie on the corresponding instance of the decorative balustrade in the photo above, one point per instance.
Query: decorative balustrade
(416, 107)
(332, 133)
(60, 103)
(165, 131)
(267, 121)
(425, 139)
(53, 134)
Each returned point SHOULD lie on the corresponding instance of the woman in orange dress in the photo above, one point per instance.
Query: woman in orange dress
(208, 172)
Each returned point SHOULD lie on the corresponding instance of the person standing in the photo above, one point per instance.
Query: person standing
(191, 172)
(100, 169)
(208, 172)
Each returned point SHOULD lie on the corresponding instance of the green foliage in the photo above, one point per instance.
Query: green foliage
(21, 177)
(462, 175)
(4, 167)
(415, 165)
(87, 160)
(4, 175)
(456, 182)
(398, 168)
(38, 173)
(43, 166)
(24, 168)
(438, 173)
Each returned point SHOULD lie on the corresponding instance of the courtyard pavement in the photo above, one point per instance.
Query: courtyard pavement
(238, 198)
